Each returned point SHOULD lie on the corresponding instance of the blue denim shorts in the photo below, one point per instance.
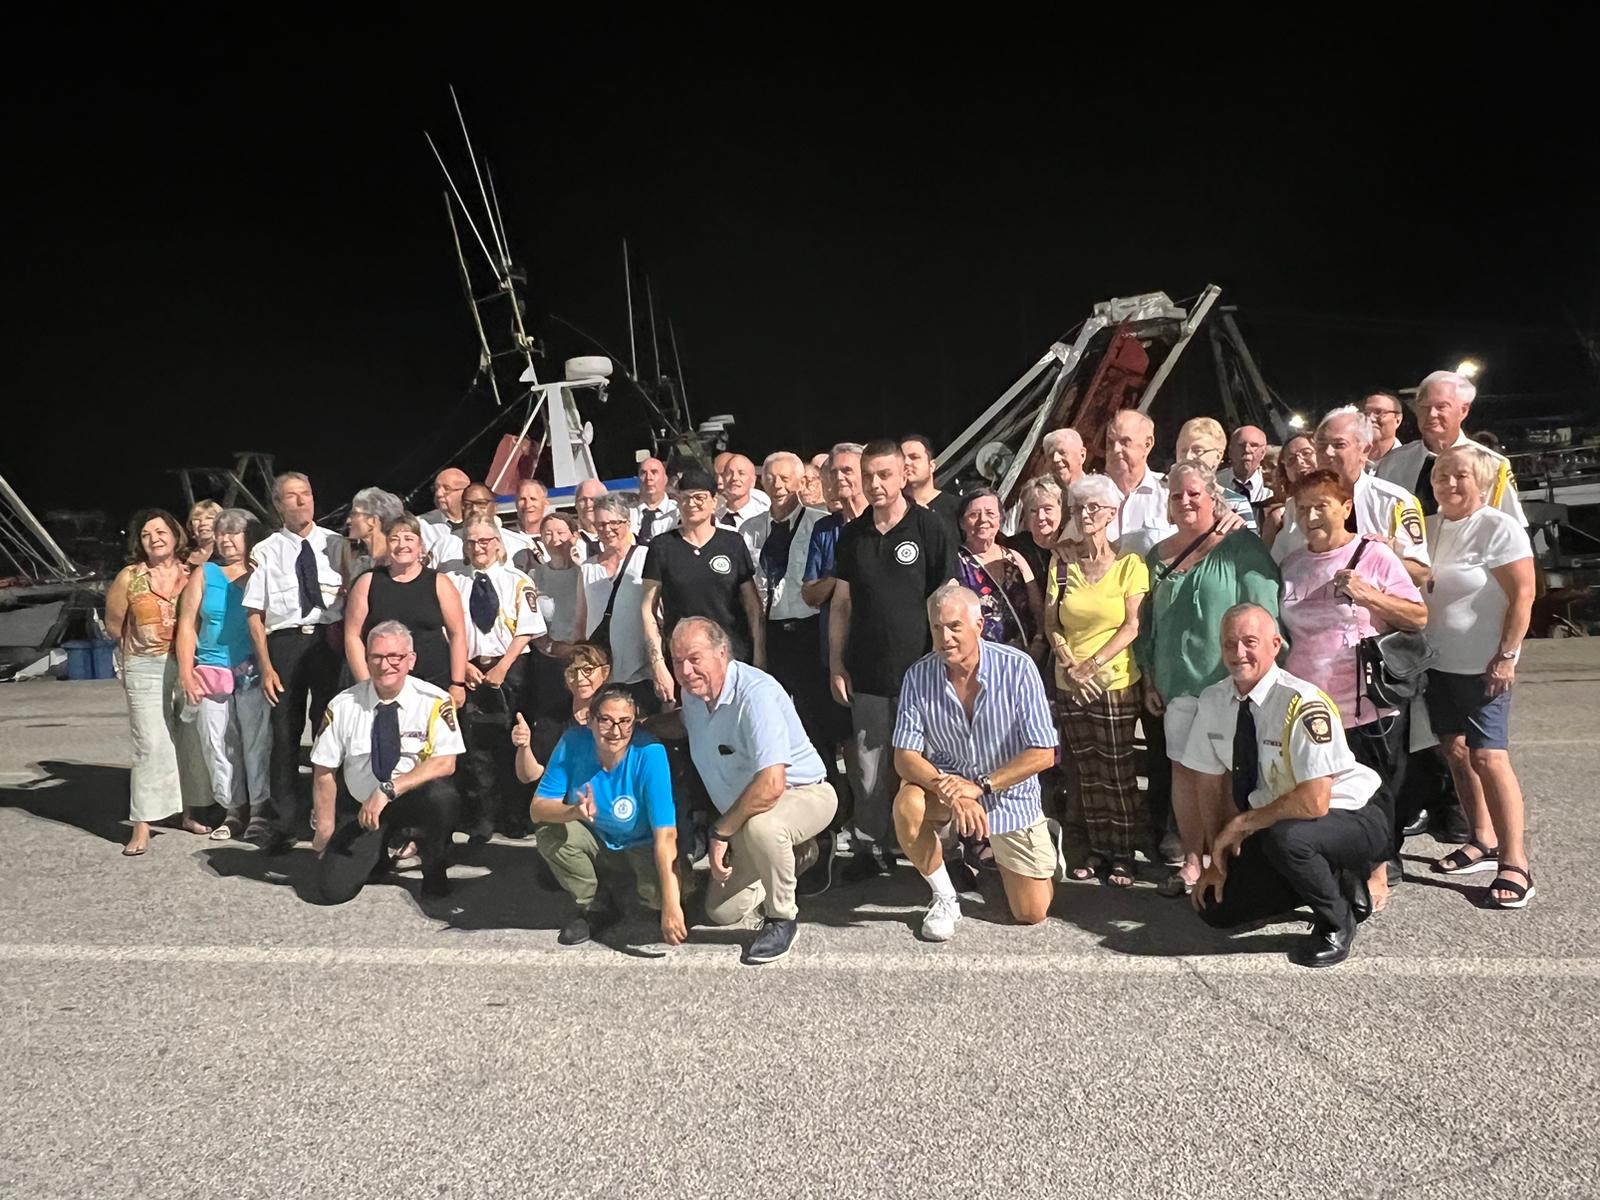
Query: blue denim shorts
(1460, 704)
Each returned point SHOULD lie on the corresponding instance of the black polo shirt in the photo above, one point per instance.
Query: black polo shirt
(948, 506)
(891, 575)
(702, 581)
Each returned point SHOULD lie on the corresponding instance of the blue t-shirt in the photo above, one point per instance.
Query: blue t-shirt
(631, 801)
(224, 634)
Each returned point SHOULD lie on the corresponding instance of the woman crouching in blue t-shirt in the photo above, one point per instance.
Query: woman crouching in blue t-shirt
(605, 804)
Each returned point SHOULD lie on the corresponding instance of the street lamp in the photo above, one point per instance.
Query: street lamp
(1470, 367)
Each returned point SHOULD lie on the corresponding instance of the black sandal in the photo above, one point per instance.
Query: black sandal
(1087, 871)
(1521, 895)
(1122, 874)
(1459, 862)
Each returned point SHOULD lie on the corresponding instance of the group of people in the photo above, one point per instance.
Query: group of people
(1300, 649)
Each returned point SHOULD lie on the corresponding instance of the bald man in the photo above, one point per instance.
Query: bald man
(448, 485)
(656, 512)
(583, 499)
(1246, 448)
(738, 500)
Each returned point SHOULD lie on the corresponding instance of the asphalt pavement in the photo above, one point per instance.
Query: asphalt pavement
(188, 1024)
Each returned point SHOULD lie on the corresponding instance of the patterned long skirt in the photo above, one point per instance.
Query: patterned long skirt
(1098, 739)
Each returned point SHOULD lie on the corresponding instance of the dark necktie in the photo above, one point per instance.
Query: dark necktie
(385, 740)
(1246, 756)
(485, 605)
(305, 571)
(728, 519)
(1425, 496)
(647, 523)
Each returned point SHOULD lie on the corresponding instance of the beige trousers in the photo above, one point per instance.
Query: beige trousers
(768, 854)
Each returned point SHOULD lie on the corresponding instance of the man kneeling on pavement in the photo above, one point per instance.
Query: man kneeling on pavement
(971, 734)
(1303, 831)
(397, 739)
(764, 777)
(604, 808)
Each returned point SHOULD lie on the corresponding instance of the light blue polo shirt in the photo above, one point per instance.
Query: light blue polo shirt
(631, 801)
(752, 726)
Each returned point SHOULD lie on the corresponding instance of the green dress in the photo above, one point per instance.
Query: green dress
(1180, 626)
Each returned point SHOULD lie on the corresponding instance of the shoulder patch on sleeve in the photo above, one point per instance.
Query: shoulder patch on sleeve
(530, 597)
(1316, 719)
(1411, 522)
(327, 717)
(447, 713)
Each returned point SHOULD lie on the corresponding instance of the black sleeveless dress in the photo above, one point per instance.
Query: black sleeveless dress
(416, 606)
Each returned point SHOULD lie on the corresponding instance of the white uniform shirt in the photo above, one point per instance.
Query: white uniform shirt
(1254, 489)
(1382, 510)
(784, 602)
(274, 588)
(1298, 737)
(428, 726)
(523, 549)
(667, 516)
(1142, 520)
(519, 609)
(736, 519)
(1403, 465)
(443, 543)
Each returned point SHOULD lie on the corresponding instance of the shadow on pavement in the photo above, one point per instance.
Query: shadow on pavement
(88, 796)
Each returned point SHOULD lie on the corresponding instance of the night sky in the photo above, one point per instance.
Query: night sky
(219, 242)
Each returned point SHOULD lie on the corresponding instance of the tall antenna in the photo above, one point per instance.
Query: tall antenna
(472, 155)
(654, 345)
(499, 221)
(683, 388)
(627, 278)
(466, 212)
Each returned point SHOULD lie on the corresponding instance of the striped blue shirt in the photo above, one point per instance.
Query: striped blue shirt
(1009, 715)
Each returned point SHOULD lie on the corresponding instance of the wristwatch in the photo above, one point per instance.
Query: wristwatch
(986, 784)
(1509, 655)
(387, 788)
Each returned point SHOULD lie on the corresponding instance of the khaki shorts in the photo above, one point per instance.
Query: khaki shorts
(1027, 852)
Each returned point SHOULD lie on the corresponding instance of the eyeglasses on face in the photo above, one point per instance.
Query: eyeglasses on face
(1090, 510)
(582, 672)
(393, 660)
(694, 499)
(620, 724)
(488, 541)
(610, 524)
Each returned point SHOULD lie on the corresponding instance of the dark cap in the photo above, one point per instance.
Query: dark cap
(697, 479)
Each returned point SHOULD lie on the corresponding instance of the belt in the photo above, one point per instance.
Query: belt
(487, 661)
(793, 623)
(305, 629)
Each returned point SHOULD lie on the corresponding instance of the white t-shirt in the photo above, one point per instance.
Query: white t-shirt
(629, 658)
(558, 599)
(1466, 604)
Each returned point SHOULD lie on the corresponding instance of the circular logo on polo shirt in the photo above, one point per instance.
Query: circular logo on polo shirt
(721, 564)
(622, 808)
(906, 553)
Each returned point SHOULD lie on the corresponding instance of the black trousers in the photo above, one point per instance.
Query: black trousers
(308, 667)
(426, 816)
(1381, 745)
(793, 661)
(487, 771)
(1158, 771)
(544, 688)
(1296, 863)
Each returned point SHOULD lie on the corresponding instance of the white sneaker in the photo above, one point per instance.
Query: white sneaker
(940, 923)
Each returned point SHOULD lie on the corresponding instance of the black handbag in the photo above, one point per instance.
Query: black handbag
(602, 632)
(1391, 668)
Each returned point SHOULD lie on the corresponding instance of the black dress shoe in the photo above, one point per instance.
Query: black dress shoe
(1360, 897)
(1325, 946)
(773, 941)
(277, 843)
(1452, 826)
(436, 884)
(818, 877)
(869, 862)
(575, 932)
(1418, 825)
(600, 917)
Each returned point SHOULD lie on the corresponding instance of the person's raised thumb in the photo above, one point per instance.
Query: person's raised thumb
(522, 722)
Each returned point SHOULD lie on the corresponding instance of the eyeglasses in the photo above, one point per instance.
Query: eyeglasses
(609, 524)
(1308, 455)
(488, 541)
(1381, 414)
(694, 499)
(620, 724)
(392, 660)
(582, 672)
(1090, 510)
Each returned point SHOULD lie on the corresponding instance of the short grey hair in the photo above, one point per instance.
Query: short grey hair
(394, 629)
(714, 634)
(1239, 610)
(611, 503)
(234, 520)
(285, 478)
(1208, 477)
(844, 448)
(788, 457)
(955, 593)
(1365, 433)
(1040, 485)
(1485, 466)
(1055, 435)
(377, 503)
(1466, 391)
(535, 485)
(1098, 488)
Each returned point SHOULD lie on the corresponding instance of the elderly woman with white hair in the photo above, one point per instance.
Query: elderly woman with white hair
(372, 510)
(1479, 594)
(1039, 505)
(221, 678)
(1197, 574)
(1092, 602)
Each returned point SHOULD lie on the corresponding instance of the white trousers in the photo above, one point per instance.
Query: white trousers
(169, 772)
(237, 740)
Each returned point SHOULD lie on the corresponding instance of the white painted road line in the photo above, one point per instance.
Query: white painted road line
(919, 959)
